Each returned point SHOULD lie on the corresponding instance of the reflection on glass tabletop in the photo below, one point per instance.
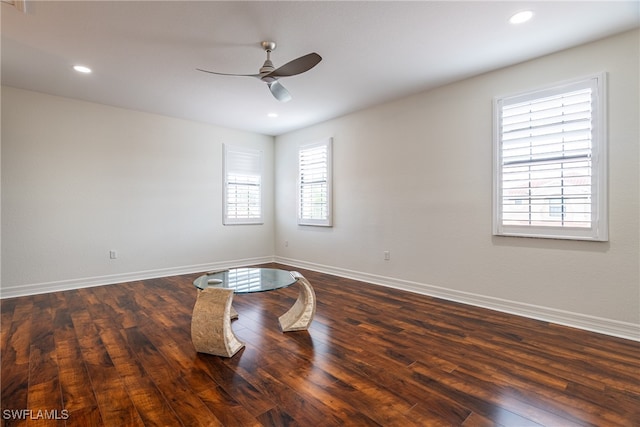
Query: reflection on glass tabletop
(246, 280)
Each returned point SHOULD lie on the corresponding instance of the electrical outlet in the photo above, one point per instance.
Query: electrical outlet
(286, 243)
(113, 254)
(387, 255)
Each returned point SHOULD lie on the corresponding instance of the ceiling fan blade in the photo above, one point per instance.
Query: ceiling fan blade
(225, 74)
(297, 66)
(279, 92)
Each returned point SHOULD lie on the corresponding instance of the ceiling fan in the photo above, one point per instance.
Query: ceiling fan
(270, 75)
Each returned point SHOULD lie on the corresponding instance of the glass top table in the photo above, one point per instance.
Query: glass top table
(246, 280)
(211, 330)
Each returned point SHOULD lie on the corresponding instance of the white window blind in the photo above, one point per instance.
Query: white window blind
(314, 184)
(242, 186)
(550, 174)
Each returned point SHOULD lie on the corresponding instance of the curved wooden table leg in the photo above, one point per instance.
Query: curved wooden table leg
(211, 323)
(300, 316)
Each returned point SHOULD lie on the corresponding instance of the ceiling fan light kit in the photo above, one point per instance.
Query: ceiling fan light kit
(270, 75)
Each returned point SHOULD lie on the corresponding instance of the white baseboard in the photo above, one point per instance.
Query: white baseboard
(611, 327)
(86, 282)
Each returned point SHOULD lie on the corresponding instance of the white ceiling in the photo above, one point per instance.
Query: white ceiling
(144, 54)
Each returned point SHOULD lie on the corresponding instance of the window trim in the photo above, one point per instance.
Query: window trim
(228, 152)
(328, 220)
(598, 231)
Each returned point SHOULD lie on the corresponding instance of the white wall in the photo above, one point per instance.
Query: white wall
(81, 179)
(414, 177)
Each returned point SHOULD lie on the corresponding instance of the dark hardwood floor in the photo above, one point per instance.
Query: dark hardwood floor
(121, 355)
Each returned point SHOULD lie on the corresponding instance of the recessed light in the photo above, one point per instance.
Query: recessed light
(82, 69)
(521, 17)
(272, 115)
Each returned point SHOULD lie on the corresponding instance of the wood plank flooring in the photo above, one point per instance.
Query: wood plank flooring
(121, 355)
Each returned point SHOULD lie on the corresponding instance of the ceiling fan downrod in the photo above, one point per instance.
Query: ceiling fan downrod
(268, 67)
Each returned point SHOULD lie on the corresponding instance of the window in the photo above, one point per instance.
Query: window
(550, 165)
(242, 186)
(314, 184)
